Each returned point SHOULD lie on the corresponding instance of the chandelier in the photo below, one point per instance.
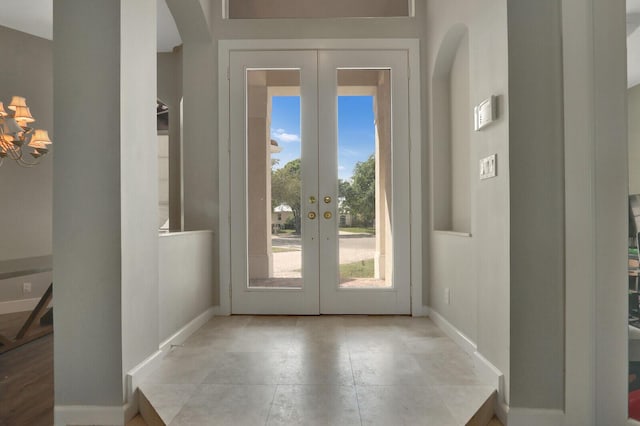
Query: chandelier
(17, 138)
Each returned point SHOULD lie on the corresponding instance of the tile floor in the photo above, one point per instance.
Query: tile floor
(325, 370)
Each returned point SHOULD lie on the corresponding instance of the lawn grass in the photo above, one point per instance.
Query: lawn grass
(282, 249)
(361, 269)
(359, 230)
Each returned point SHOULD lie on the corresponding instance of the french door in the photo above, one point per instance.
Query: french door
(319, 155)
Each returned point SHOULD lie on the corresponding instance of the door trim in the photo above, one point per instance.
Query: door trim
(412, 46)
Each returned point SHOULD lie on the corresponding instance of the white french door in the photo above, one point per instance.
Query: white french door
(319, 182)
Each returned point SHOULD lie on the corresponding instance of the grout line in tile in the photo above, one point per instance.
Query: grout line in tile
(273, 398)
(355, 388)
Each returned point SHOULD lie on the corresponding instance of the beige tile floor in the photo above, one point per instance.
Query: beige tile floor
(326, 370)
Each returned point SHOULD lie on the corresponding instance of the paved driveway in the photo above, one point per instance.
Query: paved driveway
(353, 248)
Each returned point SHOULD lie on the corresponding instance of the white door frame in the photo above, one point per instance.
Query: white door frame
(415, 119)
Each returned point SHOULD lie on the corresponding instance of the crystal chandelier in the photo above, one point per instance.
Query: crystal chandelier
(16, 137)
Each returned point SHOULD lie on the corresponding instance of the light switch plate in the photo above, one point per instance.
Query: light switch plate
(489, 166)
(485, 113)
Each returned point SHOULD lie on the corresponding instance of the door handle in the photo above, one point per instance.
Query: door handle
(328, 215)
(327, 199)
(311, 215)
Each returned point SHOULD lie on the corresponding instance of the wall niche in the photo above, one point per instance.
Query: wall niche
(451, 126)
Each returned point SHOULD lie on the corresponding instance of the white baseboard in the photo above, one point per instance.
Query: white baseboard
(422, 311)
(181, 335)
(142, 370)
(534, 417)
(485, 369)
(21, 305)
(456, 335)
(65, 415)
(489, 373)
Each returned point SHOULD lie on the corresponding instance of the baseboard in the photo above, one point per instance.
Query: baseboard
(535, 417)
(456, 335)
(485, 369)
(489, 373)
(21, 305)
(66, 415)
(422, 311)
(139, 372)
(181, 335)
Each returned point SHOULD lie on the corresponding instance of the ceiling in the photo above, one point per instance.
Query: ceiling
(36, 17)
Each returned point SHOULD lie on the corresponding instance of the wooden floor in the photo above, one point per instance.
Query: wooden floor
(26, 378)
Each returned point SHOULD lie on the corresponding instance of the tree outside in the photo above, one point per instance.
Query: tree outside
(285, 189)
(358, 194)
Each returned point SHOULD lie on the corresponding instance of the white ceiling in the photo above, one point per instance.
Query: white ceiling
(36, 17)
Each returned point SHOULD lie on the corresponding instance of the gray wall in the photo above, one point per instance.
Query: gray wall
(170, 92)
(87, 226)
(633, 98)
(26, 194)
(536, 173)
(139, 181)
(105, 197)
(461, 119)
(475, 268)
(186, 278)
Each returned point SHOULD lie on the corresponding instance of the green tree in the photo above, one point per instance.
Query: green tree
(344, 188)
(360, 195)
(285, 188)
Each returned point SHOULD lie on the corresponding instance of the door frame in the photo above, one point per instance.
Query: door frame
(411, 46)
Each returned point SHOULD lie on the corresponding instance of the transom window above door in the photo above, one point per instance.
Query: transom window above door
(269, 9)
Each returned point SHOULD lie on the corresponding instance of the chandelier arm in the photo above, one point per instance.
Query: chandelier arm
(22, 162)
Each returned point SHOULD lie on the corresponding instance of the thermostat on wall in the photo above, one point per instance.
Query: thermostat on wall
(485, 113)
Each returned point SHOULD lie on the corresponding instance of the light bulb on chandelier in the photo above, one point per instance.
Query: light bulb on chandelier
(16, 137)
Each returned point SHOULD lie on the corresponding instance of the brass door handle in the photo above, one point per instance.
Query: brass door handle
(328, 215)
(311, 215)
(327, 199)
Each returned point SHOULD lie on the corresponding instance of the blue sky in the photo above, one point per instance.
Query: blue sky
(356, 132)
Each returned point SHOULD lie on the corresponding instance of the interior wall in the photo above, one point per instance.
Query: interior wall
(633, 97)
(476, 268)
(170, 92)
(26, 194)
(88, 349)
(106, 200)
(139, 181)
(460, 139)
(536, 173)
(186, 274)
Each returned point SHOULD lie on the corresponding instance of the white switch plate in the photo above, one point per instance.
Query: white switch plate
(485, 113)
(26, 288)
(489, 166)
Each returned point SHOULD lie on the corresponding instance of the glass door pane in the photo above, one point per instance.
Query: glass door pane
(364, 179)
(274, 178)
(273, 239)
